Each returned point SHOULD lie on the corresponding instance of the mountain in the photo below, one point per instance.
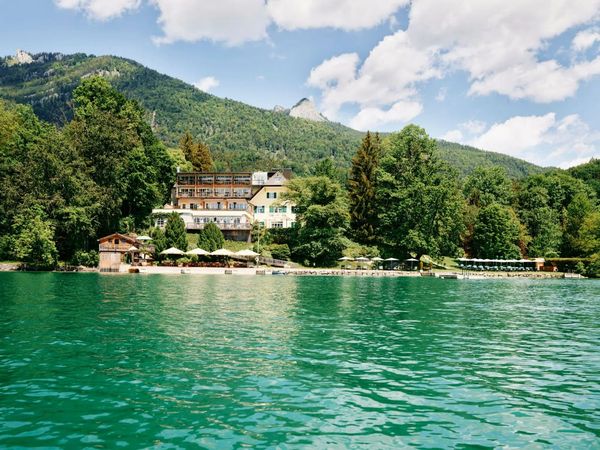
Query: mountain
(240, 136)
(589, 173)
(306, 109)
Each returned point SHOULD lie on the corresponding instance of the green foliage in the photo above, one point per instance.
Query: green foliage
(241, 137)
(322, 218)
(467, 159)
(356, 250)
(197, 153)
(87, 259)
(279, 251)
(487, 185)
(496, 233)
(34, 239)
(589, 173)
(418, 198)
(361, 189)
(589, 235)
(175, 234)
(211, 238)
(159, 240)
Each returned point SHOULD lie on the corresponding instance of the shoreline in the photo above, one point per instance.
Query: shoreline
(262, 271)
(160, 270)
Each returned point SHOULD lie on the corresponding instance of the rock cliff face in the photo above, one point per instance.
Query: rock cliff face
(23, 57)
(306, 109)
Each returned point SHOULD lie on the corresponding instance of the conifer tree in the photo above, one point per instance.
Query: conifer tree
(204, 161)
(196, 153)
(211, 238)
(175, 232)
(361, 189)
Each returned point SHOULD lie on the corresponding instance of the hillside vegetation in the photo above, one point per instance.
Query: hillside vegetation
(240, 136)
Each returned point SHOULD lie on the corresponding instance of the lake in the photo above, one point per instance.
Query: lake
(117, 361)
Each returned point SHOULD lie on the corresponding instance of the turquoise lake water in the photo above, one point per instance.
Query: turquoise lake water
(135, 361)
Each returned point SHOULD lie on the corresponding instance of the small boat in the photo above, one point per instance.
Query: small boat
(186, 271)
(278, 272)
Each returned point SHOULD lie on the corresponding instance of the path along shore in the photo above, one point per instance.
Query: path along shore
(344, 273)
(164, 270)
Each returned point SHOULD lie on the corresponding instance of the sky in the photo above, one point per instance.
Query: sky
(520, 77)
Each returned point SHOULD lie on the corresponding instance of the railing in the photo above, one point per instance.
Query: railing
(222, 226)
(114, 247)
(123, 248)
(273, 262)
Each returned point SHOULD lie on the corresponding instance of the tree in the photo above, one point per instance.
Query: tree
(198, 154)
(589, 236)
(496, 233)
(419, 203)
(325, 168)
(159, 240)
(361, 189)
(211, 238)
(132, 170)
(322, 218)
(34, 239)
(488, 185)
(175, 233)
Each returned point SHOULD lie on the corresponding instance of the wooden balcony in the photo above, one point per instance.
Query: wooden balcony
(222, 226)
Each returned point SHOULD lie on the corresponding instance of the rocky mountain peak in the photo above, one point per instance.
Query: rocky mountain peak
(22, 57)
(306, 109)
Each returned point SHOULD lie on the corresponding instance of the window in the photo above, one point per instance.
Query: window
(277, 225)
(271, 194)
(241, 179)
(117, 242)
(160, 222)
(278, 209)
(205, 179)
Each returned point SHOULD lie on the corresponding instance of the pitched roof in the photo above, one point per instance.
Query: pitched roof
(124, 237)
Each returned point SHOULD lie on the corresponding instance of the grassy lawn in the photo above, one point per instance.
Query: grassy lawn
(234, 246)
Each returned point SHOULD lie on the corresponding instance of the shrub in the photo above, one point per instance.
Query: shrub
(87, 259)
(279, 251)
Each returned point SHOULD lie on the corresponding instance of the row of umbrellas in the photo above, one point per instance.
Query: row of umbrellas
(377, 258)
(200, 252)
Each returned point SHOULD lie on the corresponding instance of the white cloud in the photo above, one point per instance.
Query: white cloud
(229, 21)
(473, 126)
(100, 9)
(453, 136)
(389, 75)
(234, 22)
(585, 39)
(342, 14)
(207, 83)
(516, 134)
(371, 118)
(498, 43)
(543, 140)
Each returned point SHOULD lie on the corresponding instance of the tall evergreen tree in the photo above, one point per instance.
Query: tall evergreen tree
(175, 232)
(197, 153)
(211, 238)
(203, 161)
(361, 189)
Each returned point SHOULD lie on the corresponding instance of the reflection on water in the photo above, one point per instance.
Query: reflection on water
(172, 361)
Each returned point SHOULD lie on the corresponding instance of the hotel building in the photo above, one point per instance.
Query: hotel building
(233, 201)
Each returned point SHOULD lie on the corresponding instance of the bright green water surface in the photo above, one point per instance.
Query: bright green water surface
(184, 361)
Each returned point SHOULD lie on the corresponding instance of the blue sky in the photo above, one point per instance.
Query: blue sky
(521, 78)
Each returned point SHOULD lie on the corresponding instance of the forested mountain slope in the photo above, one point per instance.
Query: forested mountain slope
(240, 136)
